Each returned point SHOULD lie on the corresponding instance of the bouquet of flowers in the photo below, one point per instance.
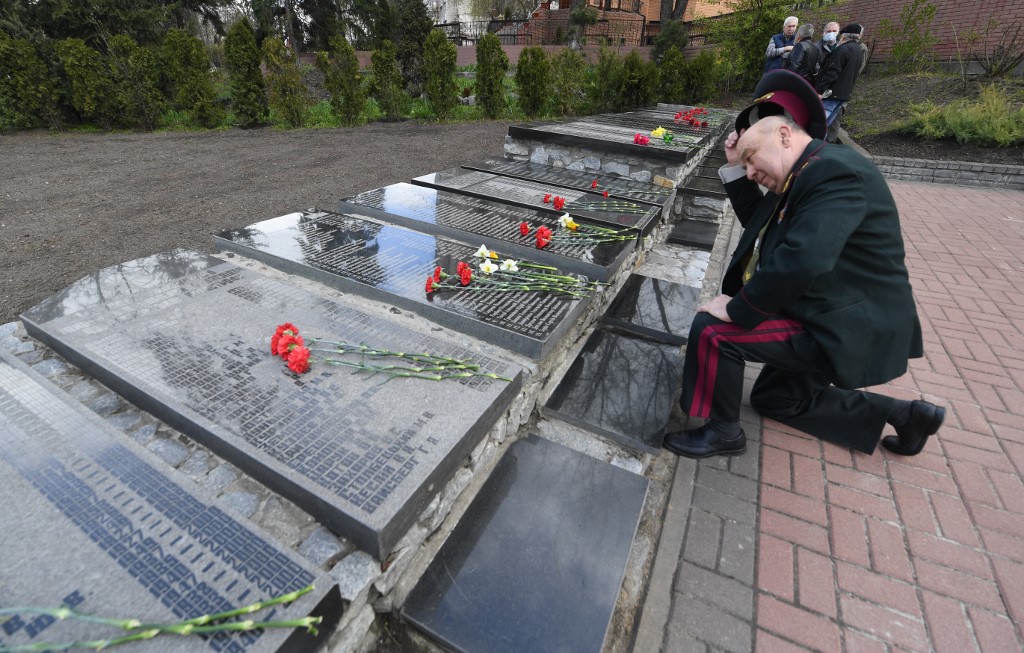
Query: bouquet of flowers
(575, 233)
(509, 275)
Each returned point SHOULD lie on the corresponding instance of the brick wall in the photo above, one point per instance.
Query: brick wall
(962, 14)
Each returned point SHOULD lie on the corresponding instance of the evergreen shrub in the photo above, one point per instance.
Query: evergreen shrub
(492, 66)
(28, 93)
(672, 34)
(248, 89)
(133, 71)
(287, 93)
(992, 120)
(604, 82)
(703, 75)
(533, 79)
(672, 76)
(186, 70)
(92, 89)
(343, 81)
(568, 74)
(386, 85)
(639, 82)
(439, 57)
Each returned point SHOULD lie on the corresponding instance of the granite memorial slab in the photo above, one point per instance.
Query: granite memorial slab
(537, 562)
(186, 337)
(706, 186)
(694, 233)
(620, 387)
(472, 219)
(654, 308)
(618, 140)
(610, 212)
(618, 187)
(645, 121)
(390, 263)
(92, 522)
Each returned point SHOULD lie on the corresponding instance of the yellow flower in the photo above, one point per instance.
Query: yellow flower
(659, 132)
(483, 252)
(487, 267)
(567, 222)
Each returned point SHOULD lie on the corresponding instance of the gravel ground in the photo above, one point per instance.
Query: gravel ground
(71, 204)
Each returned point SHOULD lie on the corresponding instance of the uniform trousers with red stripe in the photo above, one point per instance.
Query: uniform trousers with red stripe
(793, 387)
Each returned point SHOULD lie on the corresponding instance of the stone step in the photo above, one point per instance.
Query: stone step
(655, 309)
(185, 337)
(93, 522)
(694, 233)
(537, 562)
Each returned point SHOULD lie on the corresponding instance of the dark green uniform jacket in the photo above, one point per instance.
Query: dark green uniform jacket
(833, 261)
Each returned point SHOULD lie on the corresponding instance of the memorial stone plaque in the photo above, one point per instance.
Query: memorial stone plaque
(619, 187)
(617, 140)
(694, 233)
(472, 219)
(706, 186)
(644, 122)
(654, 308)
(93, 522)
(537, 562)
(186, 337)
(620, 387)
(391, 263)
(529, 194)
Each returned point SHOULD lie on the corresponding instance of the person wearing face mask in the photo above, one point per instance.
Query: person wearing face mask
(827, 44)
(780, 45)
(817, 290)
(838, 76)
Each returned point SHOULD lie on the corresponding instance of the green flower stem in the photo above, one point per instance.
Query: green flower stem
(414, 372)
(348, 348)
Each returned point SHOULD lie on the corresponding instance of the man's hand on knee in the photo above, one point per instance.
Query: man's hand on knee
(717, 308)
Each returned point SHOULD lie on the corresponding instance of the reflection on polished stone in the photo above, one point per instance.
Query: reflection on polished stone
(94, 522)
(530, 194)
(694, 233)
(473, 219)
(537, 561)
(619, 187)
(390, 263)
(620, 387)
(654, 308)
(710, 185)
(189, 342)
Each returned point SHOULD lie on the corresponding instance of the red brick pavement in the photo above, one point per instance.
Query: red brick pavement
(885, 553)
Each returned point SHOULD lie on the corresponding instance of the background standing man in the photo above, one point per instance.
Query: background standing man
(817, 290)
(838, 75)
(803, 59)
(827, 44)
(780, 45)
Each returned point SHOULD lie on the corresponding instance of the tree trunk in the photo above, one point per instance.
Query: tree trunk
(679, 9)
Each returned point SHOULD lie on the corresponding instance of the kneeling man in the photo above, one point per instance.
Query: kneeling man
(817, 290)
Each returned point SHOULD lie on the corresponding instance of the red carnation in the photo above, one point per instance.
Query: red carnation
(593, 184)
(704, 124)
(559, 203)
(460, 267)
(430, 284)
(543, 236)
(437, 273)
(524, 228)
(547, 198)
(605, 193)
(466, 275)
(298, 360)
(287, 343)
(287, 326)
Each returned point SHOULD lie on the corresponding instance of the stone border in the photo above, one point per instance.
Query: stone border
(958, 173)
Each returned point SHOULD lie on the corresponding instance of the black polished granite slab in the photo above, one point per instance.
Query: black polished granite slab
(644, 121)
(654, 308)
(618, 140)
(710, 186)
(94, 522)
(694, 233)
(390, 264)
(472, 219)
(620, 387)
(537, 562)
(529, 194)
(186, 337)
(617, 187)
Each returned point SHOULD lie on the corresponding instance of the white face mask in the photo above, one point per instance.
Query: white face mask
(830, 37)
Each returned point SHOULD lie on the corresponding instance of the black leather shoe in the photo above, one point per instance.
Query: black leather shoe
(925, 419)
(704, 442)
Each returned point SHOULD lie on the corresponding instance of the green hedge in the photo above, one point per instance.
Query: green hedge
(439, 57)
(533, 79)
(343, 81)
(491, 68)
(248, 90)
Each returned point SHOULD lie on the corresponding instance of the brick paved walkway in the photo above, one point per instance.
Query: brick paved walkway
(860, 553)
